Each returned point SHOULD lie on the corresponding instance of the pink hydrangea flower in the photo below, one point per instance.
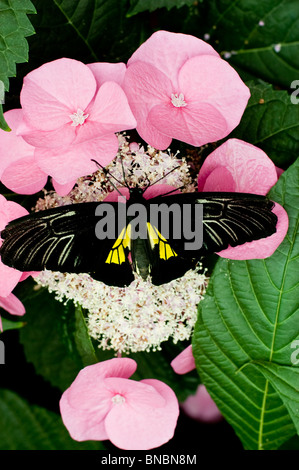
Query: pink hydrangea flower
(103, 403)
(179, 87)
(237, 166)
(183, 362)
(107, 72)
(19, 170)
(70, 117)
(199, 406)
(9, 277)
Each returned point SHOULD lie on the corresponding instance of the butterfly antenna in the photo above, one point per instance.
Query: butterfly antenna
(172, 191)
(149, 183)
(107, 172)
(162, 177)
(124, 174)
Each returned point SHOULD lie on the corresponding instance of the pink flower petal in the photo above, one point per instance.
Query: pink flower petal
(13, 147)
(109, 113)
(24, 176)
(55, 90)
(263, 248)
(195, 124)
(69, 163)
(107, 72)
(201, 406)
(55, 138)
(83, 391)
(27, 274)
(114, 196)
(220, 179)
(152, 85)
(209, 79)
(135, 394)
(279, 171)
(184, 362)
(9, 279)
(251, 169)
(15, 210)
(63, 189)
(158, 190)
(83, 425)
(10, 210)
(169, 51)
(145, 87)
(140, 426)
(12, 305)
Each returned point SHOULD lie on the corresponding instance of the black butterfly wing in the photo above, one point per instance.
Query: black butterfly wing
(228, 219)
(164, 271)
(63, 239)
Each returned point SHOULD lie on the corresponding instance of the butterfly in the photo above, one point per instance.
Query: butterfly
(65, 238)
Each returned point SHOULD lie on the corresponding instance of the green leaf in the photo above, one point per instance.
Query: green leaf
(76, 336)
(11, 324)
(271, 122)
(103, 27)
(261, 37)
(285, 380)
(14, 28)
(44, 336)
(3, 124)
(249, 315)
(56, 341)
(291, 444)
(24, 426)
(137, 6)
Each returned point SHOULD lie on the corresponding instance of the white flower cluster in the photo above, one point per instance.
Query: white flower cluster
(141, 316)
(134, 318)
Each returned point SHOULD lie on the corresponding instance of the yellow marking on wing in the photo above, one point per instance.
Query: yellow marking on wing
(117, 253)
(155, 237)
(152, 234)
(127, 237)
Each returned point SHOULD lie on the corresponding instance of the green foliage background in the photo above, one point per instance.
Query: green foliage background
(249, 318)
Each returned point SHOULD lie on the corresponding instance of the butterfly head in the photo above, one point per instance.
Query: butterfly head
(136, 193)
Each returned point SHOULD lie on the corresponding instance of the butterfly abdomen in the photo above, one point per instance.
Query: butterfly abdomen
(141, 257)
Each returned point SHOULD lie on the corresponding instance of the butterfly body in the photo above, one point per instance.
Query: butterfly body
(65, 239)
